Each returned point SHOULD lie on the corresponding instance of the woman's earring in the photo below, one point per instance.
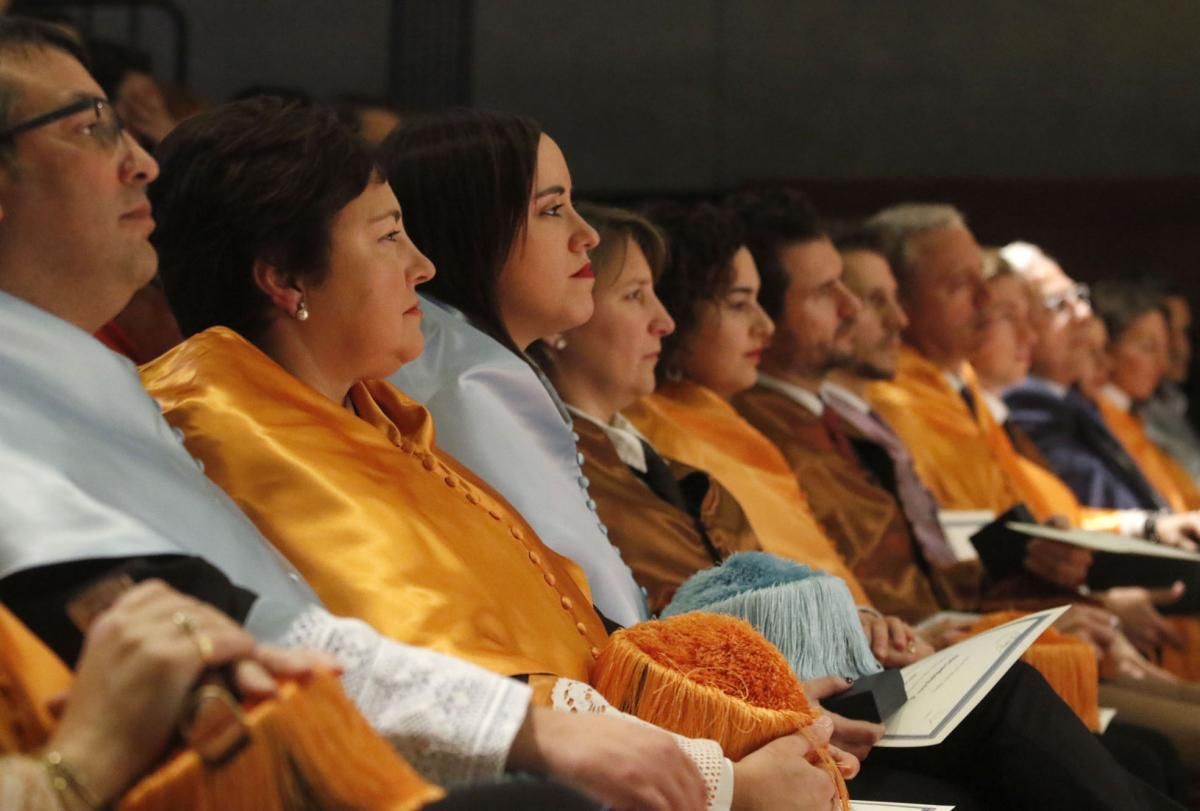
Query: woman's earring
(302, 311)
(559, 343)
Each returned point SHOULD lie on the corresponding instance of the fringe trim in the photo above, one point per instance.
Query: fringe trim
(813, 622)
(650, 670)
(310, 748)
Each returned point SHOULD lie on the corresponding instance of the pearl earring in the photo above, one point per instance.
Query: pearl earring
(302, 311)
(560, 343)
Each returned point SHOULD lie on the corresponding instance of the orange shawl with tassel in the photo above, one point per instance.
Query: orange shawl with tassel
(384, 526)
(307, 746)
(687, 422)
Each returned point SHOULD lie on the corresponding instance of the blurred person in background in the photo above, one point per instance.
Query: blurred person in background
(1166, 413)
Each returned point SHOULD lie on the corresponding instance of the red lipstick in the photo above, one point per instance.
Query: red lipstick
(584, 272)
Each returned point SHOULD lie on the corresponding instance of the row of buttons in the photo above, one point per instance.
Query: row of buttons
(430, 463)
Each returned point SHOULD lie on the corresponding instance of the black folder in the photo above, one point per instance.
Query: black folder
(871, 698)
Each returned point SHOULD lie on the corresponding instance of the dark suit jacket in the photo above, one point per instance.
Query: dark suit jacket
(1079, 448)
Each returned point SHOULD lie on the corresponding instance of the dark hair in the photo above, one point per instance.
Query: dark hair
(19, 36)
(775, 218)
(701, 241)
(350, 107)
(261, 179)
(855, 236)
(283, 92)
(464, 179)
(1118, 303)
(113, 61)
(616, 226)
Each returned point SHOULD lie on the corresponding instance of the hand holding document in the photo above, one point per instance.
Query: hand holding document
(944, 688)
(1123, 561)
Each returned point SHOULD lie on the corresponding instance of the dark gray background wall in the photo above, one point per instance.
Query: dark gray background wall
(323, 46)
(700, 93)
(691, 94)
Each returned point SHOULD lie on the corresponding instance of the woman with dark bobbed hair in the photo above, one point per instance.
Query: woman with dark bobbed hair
(491, 196)
(284, 254)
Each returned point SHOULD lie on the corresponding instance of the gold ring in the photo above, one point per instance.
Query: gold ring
(204, 645)
(912, 647)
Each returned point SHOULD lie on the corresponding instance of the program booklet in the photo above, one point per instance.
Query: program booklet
(944, 688)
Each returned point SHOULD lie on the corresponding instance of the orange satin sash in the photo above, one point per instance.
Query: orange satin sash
(689, 423)
(383, 525)
(1164, 474)
(967, 461)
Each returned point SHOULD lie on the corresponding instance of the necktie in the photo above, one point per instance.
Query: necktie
(969, 399)
(918, 504)
(659, 478)
(836, 432)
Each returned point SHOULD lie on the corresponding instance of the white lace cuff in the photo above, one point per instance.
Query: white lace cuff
(716, 769)
(453, 721)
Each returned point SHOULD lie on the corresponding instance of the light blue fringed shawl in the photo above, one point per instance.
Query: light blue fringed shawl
(809, 615)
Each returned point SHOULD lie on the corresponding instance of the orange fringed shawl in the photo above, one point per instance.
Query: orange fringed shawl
(309, 746)
(711, 675)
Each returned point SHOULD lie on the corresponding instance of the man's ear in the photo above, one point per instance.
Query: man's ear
(281, 288)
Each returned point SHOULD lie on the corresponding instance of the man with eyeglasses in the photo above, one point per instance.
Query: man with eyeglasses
(73, 186)
(94, 484)
(960, 451)
(1066, 428)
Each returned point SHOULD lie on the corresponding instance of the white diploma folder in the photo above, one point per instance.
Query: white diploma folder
(944, 688)
(1105, 542)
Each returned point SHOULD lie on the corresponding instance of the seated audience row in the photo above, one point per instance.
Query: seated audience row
(291, 259)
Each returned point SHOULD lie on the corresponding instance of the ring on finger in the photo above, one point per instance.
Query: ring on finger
(202, 641)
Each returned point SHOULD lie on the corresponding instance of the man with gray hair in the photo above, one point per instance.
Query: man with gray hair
(1068, 432)
(935, 406)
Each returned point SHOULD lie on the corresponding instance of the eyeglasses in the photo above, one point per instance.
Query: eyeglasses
(106, 129)
(1079, 294)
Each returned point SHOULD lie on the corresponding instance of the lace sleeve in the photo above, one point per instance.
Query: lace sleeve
(453, 721)
(568, 695)
(23, 786)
